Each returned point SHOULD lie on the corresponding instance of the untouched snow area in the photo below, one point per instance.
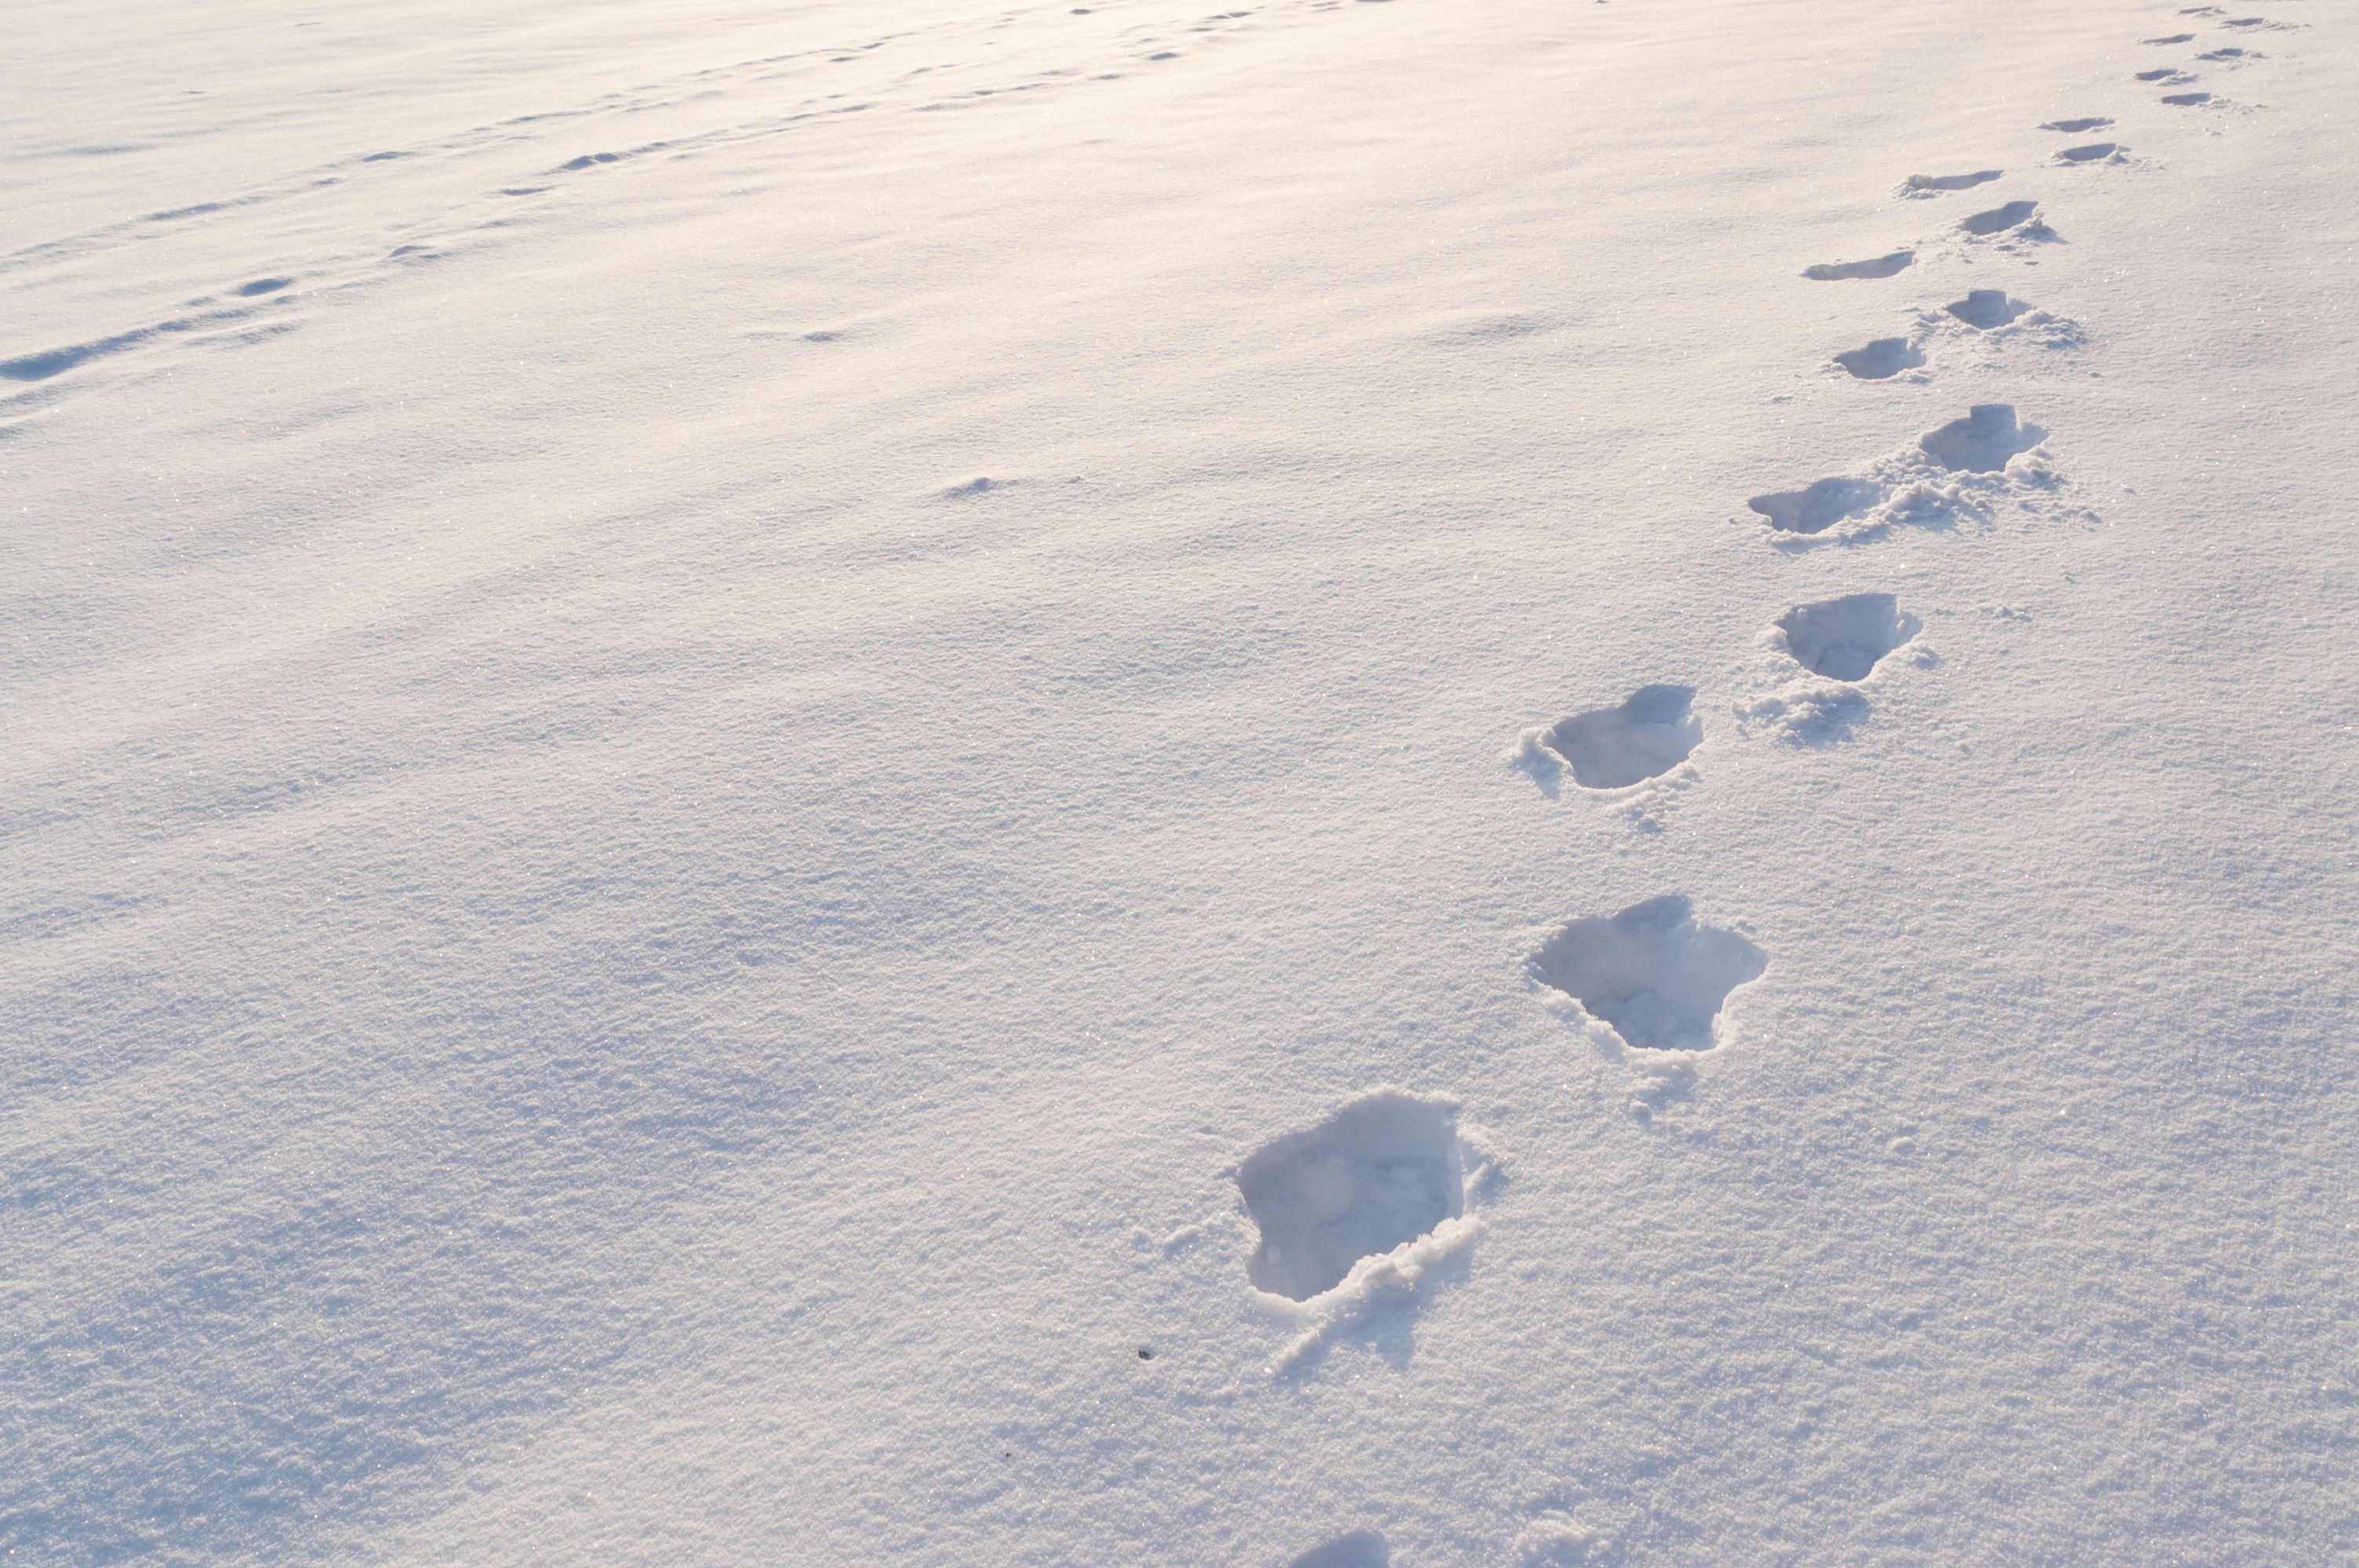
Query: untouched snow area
(1436, 783)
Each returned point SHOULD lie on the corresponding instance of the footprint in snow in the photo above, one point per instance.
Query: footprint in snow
(1982, 441)
(1361, 1548)
(1934, 184)
(1838, 642)
(1651, 973)
(2230, 56)
(2092, 152)
(2166, 73)
(2174, 39)
(1815, 508)
(1998, 219)
(1386, 1172)
(1843, 639)
(1984, 309)
(2076, 127)
(1881, 359)
(1644, 736)
(2186, 100)
(1878, 266)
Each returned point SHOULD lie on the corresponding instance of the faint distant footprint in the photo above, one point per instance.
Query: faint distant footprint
(2174, 39)
(1841, 639)
(1932, 184)
(1651, 973)
(2075, 127)
(1883, 359)
(2166, 73)
(1646, 735)
(1878, 266)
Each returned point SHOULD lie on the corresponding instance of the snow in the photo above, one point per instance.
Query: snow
(713, 714)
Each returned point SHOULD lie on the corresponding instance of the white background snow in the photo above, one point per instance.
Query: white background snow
(704, 709)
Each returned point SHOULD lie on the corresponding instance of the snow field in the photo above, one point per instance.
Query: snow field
(757, 808)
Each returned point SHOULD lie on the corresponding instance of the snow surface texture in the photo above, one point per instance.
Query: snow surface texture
(712, 713)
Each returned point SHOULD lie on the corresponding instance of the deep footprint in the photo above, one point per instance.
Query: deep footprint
(1986, 308)
(2186, 99)
(1879, 266)
(1649, 733)
(1952, 181)
(2089, 153)
(1377, 1174)
(1883, 357)
(1818, 507)
(2168, 73)
(1841, 639)
(1651, 974)
(1998, 219)
(1982, 441)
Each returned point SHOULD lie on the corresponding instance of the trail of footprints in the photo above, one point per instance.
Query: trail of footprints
(1361, 1206)
(786, 92)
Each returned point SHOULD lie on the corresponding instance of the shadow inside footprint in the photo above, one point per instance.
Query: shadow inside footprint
(1361, 1548)
(1841, 639)
(1651, 974)
(2074, 127)
(1816, 508)
(1883, 357)
(1648, 733)
(1988, 308)
(1982, 441)
(1878, 266)
(1377, 1174)
(1950, 181)
(2184, 99)
(2089, 153)
(1999, 218)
